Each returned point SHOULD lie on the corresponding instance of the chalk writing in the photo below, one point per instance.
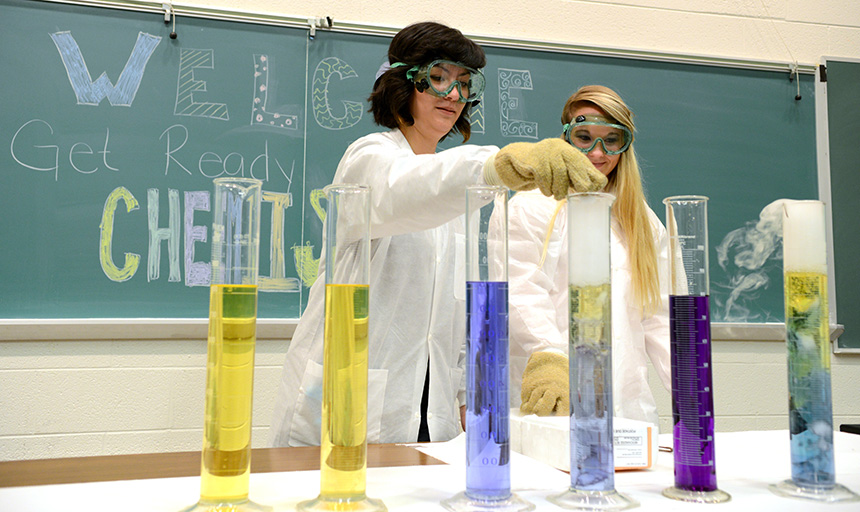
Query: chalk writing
(211, 164)
(323, 114)
(259, 111)
(197, 273)
(132, 260)
(476, 118)
(306, 265)
(511, 83)
(48, 156)
(277, 281)
(88, 92)
(158, 234)
(186, 86)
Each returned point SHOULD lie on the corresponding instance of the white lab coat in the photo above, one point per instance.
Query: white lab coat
(538, 304)
(417, 296)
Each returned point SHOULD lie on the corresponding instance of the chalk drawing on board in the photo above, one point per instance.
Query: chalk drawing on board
(197, 273)
(89, 92)
(186, 86)
(306, 265)
(277, 281)
(511, 84)
(323, 113)
(259, 112)
(132, 260)
(159, 234)
(476, 118)
(747, 255)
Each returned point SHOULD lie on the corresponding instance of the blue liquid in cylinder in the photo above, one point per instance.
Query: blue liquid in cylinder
(488, 474)
(692, 393)
(809, 387)
(592, 466)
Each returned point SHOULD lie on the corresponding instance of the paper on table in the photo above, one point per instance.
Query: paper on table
(526, 472)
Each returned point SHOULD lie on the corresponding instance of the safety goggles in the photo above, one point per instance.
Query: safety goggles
(440, 77)
(586, 131)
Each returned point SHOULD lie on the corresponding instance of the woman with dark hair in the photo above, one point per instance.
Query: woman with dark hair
(416, 376)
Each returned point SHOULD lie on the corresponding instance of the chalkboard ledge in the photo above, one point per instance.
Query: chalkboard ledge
(113, 329)
(770, 331)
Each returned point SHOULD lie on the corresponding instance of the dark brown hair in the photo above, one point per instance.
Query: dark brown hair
(417, 45)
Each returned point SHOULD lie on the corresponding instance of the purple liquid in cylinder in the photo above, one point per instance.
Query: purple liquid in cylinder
(488, 474)
(692, 393)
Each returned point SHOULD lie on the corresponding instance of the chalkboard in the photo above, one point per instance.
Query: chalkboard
(110, 127)
(842, 80)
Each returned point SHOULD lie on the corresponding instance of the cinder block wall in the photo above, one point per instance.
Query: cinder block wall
(80, 398)
(77, 398)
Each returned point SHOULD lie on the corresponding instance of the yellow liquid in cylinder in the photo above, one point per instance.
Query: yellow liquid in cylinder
(343, 463)
(806, 313)
(229, 389)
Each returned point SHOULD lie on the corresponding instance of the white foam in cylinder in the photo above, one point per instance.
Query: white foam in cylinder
(803, 235)
(588, 228)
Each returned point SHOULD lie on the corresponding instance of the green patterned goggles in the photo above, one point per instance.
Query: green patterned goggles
(440, 77)
(586, 131)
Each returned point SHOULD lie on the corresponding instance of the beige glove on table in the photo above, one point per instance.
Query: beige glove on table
(546, 385)
(552, 165)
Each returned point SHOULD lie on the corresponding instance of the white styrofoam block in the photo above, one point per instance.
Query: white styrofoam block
(547, 439)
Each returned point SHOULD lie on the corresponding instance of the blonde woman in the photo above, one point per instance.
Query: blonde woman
(598, 123)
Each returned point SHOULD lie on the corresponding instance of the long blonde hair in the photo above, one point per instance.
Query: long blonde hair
(630, 208)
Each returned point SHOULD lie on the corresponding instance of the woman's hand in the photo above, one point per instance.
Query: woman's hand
(552, 165)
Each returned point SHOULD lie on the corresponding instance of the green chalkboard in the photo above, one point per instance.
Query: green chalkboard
(843, 119)
(110, 126)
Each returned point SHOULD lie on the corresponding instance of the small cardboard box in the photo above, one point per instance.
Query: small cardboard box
(547, 439)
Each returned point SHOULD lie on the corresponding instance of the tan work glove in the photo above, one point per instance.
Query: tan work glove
(546, 385)
(552, 165)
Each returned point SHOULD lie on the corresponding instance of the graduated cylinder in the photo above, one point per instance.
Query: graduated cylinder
(592, 465)
(690, 348)
(488, 449)
(343, 447)
(226, 461)
(808, 344)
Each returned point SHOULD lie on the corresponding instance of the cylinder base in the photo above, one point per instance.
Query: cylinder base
(227, 506)
(716, 496)
(834, 494)
(461, 502)
(575, 499)
(321, 504)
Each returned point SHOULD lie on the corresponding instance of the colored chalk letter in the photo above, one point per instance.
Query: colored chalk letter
(321, 106)
(156, 235)
(92, 93)
(511, 82)
(197, 273)
(186, 86)
(306, 265)
(132, 260)
(259, 113)
(277, 281)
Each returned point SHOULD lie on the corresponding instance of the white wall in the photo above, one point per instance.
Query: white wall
(763, 30)
(73, 398)
(77, 398)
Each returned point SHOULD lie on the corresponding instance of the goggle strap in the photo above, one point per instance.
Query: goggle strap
(410, 74)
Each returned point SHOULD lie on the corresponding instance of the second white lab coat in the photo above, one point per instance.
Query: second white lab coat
(417, 297)
(538, 302)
